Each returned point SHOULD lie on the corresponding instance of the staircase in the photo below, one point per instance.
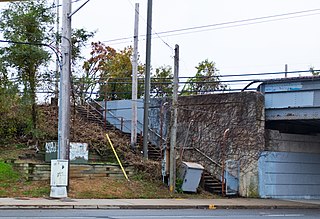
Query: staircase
(91, 113)
(211, 183)
(210, 180)
(154, 153)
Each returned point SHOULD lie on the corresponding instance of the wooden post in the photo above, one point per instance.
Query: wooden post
(134, 119)
(173, 138)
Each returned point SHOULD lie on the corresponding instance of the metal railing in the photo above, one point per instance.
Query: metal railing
(93, 105)
(90, 107)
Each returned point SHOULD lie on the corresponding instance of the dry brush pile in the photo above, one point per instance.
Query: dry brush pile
(95, 135)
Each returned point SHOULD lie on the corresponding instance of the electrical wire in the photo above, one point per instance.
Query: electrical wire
(197, 29)
(154, 33)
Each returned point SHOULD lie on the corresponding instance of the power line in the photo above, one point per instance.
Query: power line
(155, 33)
(237, 22)
(238, 25)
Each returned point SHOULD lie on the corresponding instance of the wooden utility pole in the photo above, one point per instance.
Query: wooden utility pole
(135, 79)
(147, 82)
(173, 137)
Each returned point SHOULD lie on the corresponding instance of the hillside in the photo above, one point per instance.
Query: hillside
(145, 183)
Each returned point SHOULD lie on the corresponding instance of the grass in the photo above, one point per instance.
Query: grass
(7, 174)
(37, 192)
(121, 188)
(12, 185)
(11, 152)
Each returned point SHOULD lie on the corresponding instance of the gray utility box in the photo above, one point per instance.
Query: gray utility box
(190, 173)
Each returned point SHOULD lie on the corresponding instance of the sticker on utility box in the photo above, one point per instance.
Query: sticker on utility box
(79, 152)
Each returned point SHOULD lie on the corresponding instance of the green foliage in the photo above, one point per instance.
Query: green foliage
(179, 183)
(161, 82)
(79, 38)
(37, 192)
(13, 118)
(205, 81)
(113, 69)
(7, 174)
(28, 22)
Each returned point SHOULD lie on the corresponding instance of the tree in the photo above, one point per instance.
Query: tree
(314, 72)
(112, 69)
(161, 82)
(205, 81)
(79, 38)
(28, 22)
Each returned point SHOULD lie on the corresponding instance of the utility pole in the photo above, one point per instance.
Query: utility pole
(57, 46)
(64, 107)
(286, 71)
(135, 79)
(60, 168)
(173, 137)
(147, 82)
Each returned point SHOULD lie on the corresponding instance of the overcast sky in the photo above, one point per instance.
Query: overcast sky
(260, 47)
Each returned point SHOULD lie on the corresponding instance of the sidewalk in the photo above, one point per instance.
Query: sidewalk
(234, 203)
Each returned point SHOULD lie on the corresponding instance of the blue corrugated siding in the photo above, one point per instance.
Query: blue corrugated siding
(289, 175)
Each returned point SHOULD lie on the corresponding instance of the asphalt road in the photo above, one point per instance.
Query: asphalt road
(155, 214)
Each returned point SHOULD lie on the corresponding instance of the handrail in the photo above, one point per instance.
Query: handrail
(154, 132)
(95, 110)
(206, 156)
(116, 117)
(110, 113)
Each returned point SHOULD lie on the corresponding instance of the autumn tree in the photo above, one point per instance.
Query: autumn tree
(206, 80)
(28, 22)
(112, 69)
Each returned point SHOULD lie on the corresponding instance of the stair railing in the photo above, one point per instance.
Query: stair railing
(217, 166)
(121, 120)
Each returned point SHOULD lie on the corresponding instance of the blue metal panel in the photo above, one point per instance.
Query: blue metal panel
(293, 113)
(293, 99)
(277, 87)
(119, 114)
(232, 177)
(289, 175)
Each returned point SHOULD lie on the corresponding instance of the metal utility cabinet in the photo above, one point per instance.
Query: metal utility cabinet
(191, 176)
(59, 178)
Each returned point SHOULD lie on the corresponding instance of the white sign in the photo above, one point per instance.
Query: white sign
(78, 151)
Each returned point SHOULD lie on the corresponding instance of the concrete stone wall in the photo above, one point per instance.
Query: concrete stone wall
(39, 172)
(283, 142)
(231, 122)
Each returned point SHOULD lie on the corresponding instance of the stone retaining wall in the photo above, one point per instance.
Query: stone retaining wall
(37, 172)
(202, 122)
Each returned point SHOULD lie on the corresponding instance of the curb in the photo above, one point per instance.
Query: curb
(210, 207)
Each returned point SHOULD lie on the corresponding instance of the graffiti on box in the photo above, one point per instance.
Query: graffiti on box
(51, 147)
(78, 151)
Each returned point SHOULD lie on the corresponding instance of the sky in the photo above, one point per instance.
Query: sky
(260, 47)
(236, 49)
